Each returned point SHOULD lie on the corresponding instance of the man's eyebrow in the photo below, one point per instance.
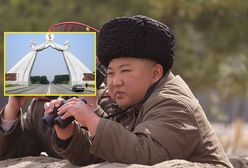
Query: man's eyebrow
(121, 66)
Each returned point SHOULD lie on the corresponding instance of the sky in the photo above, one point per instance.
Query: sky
(49, 62)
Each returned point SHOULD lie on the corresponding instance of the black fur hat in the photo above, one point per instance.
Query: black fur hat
(136, 36)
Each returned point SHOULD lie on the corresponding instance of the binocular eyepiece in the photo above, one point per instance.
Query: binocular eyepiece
(53, 118)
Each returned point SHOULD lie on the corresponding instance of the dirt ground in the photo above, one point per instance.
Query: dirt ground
(47, 162)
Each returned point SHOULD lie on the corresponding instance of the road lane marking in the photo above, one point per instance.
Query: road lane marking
(49, 89)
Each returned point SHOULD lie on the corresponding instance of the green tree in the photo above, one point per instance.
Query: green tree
(35, 79)
(61, 79)
(44, 80)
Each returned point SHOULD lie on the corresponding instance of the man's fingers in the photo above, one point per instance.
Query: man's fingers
(63, 109)
(49, 106)
(58, 102)
(72, 99)
(46, 106)
(66, 115)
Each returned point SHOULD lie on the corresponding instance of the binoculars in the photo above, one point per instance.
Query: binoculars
(53, 118)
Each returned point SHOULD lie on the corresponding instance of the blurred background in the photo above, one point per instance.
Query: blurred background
(211, 48)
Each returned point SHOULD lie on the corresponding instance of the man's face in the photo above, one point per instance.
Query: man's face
(128, 79)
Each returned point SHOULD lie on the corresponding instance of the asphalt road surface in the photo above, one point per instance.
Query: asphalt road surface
(45, 89)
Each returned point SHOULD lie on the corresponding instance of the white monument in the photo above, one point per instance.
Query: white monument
(24, 67)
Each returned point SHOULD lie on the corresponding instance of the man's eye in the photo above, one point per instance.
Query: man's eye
(125, 70)
(110, 73)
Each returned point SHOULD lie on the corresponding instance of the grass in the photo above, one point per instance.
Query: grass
(10, 85)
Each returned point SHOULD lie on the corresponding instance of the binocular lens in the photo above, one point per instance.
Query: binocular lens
(63, 123)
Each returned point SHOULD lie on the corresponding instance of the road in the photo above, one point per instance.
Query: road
(45, 89)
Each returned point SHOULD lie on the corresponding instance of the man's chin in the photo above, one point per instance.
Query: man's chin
(122, 104)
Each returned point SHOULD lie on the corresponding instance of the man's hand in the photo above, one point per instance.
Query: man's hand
(61, 133)
(82, 112)
(13, 106)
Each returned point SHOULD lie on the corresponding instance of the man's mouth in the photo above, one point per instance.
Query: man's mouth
(119, 94)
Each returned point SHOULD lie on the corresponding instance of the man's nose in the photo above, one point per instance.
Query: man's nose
(117, 81)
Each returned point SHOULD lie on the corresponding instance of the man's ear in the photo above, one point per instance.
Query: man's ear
(157, 72)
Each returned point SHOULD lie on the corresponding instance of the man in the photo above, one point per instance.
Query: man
(160, 119)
